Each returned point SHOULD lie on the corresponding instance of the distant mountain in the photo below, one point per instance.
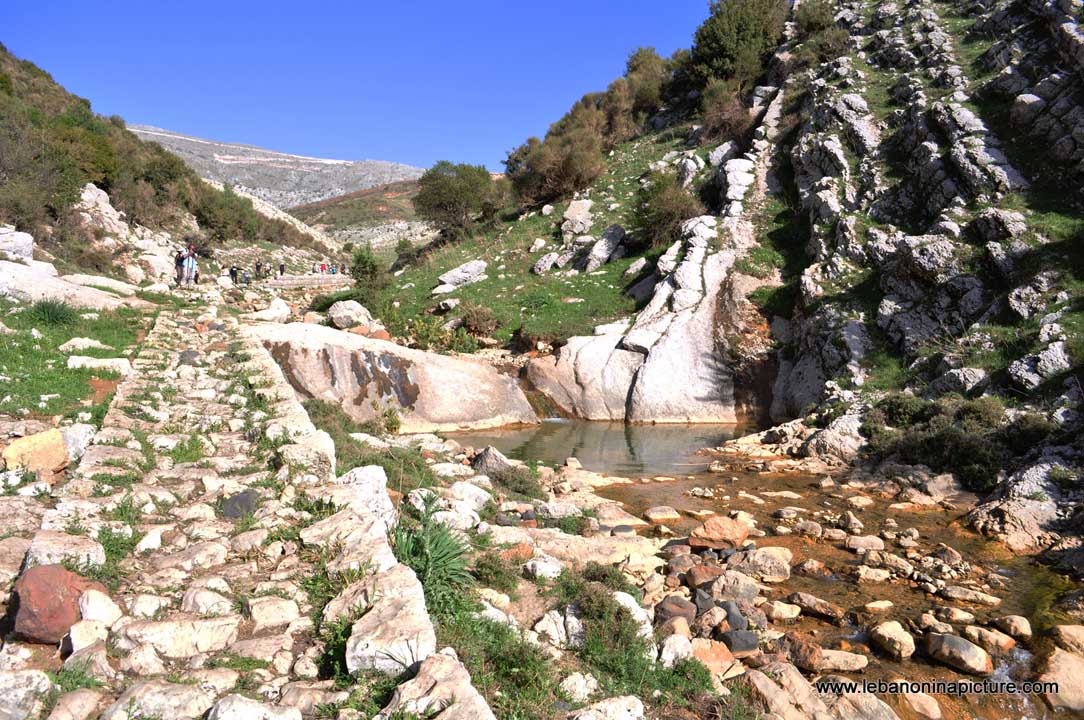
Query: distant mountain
(281, 179)
(378, 216)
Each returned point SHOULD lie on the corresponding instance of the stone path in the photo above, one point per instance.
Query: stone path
(226, 550)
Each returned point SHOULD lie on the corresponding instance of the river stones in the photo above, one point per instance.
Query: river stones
(1067, 670)
(674, 606)
(813, 605)
(959, 653)
(893, 639)
(719, 533)
(993, 641)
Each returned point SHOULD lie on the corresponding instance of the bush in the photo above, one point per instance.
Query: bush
(519, 481)
(662, 207)
(370, 276)
(437, 555)
(496, 572)
(457, 199)
(735, 40)
(969, 438)
(812, 17)
(52, 312)
(724, 115)
(479, 320)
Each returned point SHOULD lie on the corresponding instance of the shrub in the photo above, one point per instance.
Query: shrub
(370, 276)
(52, 312)
(724, 115)
(662, 207)
(735, 40)
(479, 320)
(458, 198)
(437, 555)
(812, 17)
(519, 481)
(496, 572)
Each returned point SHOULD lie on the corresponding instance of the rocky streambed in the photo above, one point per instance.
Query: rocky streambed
(827, 573)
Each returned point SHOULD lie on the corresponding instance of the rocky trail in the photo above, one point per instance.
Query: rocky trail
(192, 557)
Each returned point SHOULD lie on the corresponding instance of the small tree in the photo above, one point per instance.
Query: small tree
(370, 276)
(736, 38)
(663, 206)
(725, 118)
(457, 198)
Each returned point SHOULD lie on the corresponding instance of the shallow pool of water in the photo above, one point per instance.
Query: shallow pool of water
(612, 448)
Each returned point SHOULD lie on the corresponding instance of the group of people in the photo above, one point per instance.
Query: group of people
(326, 269)
(186, 267)
(263, 270)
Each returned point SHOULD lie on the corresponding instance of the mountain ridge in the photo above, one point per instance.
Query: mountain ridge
(280, 178)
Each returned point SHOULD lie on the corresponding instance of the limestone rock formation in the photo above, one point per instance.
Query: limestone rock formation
(430, 391)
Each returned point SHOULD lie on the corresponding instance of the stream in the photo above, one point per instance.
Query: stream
(664, 458)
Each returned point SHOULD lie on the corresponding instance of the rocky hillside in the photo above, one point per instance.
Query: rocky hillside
(96, 198)
(281, 179)
(378, 216)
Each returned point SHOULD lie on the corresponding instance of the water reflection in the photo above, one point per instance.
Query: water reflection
(612, 448)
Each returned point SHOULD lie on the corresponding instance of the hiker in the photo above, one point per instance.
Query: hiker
(259, 266)
(247, 277)
(314, 268)
(282, 268)
(233, 273)
(323, 268)
(189, 266)
(178, 266)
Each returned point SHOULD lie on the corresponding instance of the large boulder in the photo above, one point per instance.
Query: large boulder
(30, 283)
(25, 694)
(431, 392)
(589, 377)
(465, 274)
(1066, 669)
(15, 245)
(46, 602)
(349, 313)
(277, 312)
(40, 452)
(577, 219)
(961, 654)
(442, 685)
(719, 533)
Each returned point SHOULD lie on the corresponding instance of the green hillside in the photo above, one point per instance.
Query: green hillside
(52, 144)
(365, 208)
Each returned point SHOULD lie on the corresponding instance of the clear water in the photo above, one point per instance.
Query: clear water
(612, 448)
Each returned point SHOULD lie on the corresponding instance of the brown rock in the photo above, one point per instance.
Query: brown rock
(41, 452)
(801, 651)
(719, 533)
(46, 602)
(716, 657)
(702, 574)
(674, 606)
(519, 553)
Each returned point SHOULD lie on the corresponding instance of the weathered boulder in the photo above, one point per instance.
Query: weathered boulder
(50, 547)
(465, 274)
(161, 699)
(25, 693)
(46, 602)
(26, 283)
(719, 533)
(442, 689)
(577, 219)
(277, 312)
(589, 377)
(239, 707)
(40, 452)
(431, 392)
(1067, 670)
(961, 654)
(626, 707)
(14, 245)
(349, 313)
(893, 639)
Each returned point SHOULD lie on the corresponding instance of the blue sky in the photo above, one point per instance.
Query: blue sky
(413, 82)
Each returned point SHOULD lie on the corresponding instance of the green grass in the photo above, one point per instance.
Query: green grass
(188, 451)
(237, 662)
(436, 554)
(527, 305)
(37, 368)
(618, 656)
(52, 312)
(117, 546)
(364, 208)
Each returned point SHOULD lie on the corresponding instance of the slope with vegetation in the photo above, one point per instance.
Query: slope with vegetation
(52, 144)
